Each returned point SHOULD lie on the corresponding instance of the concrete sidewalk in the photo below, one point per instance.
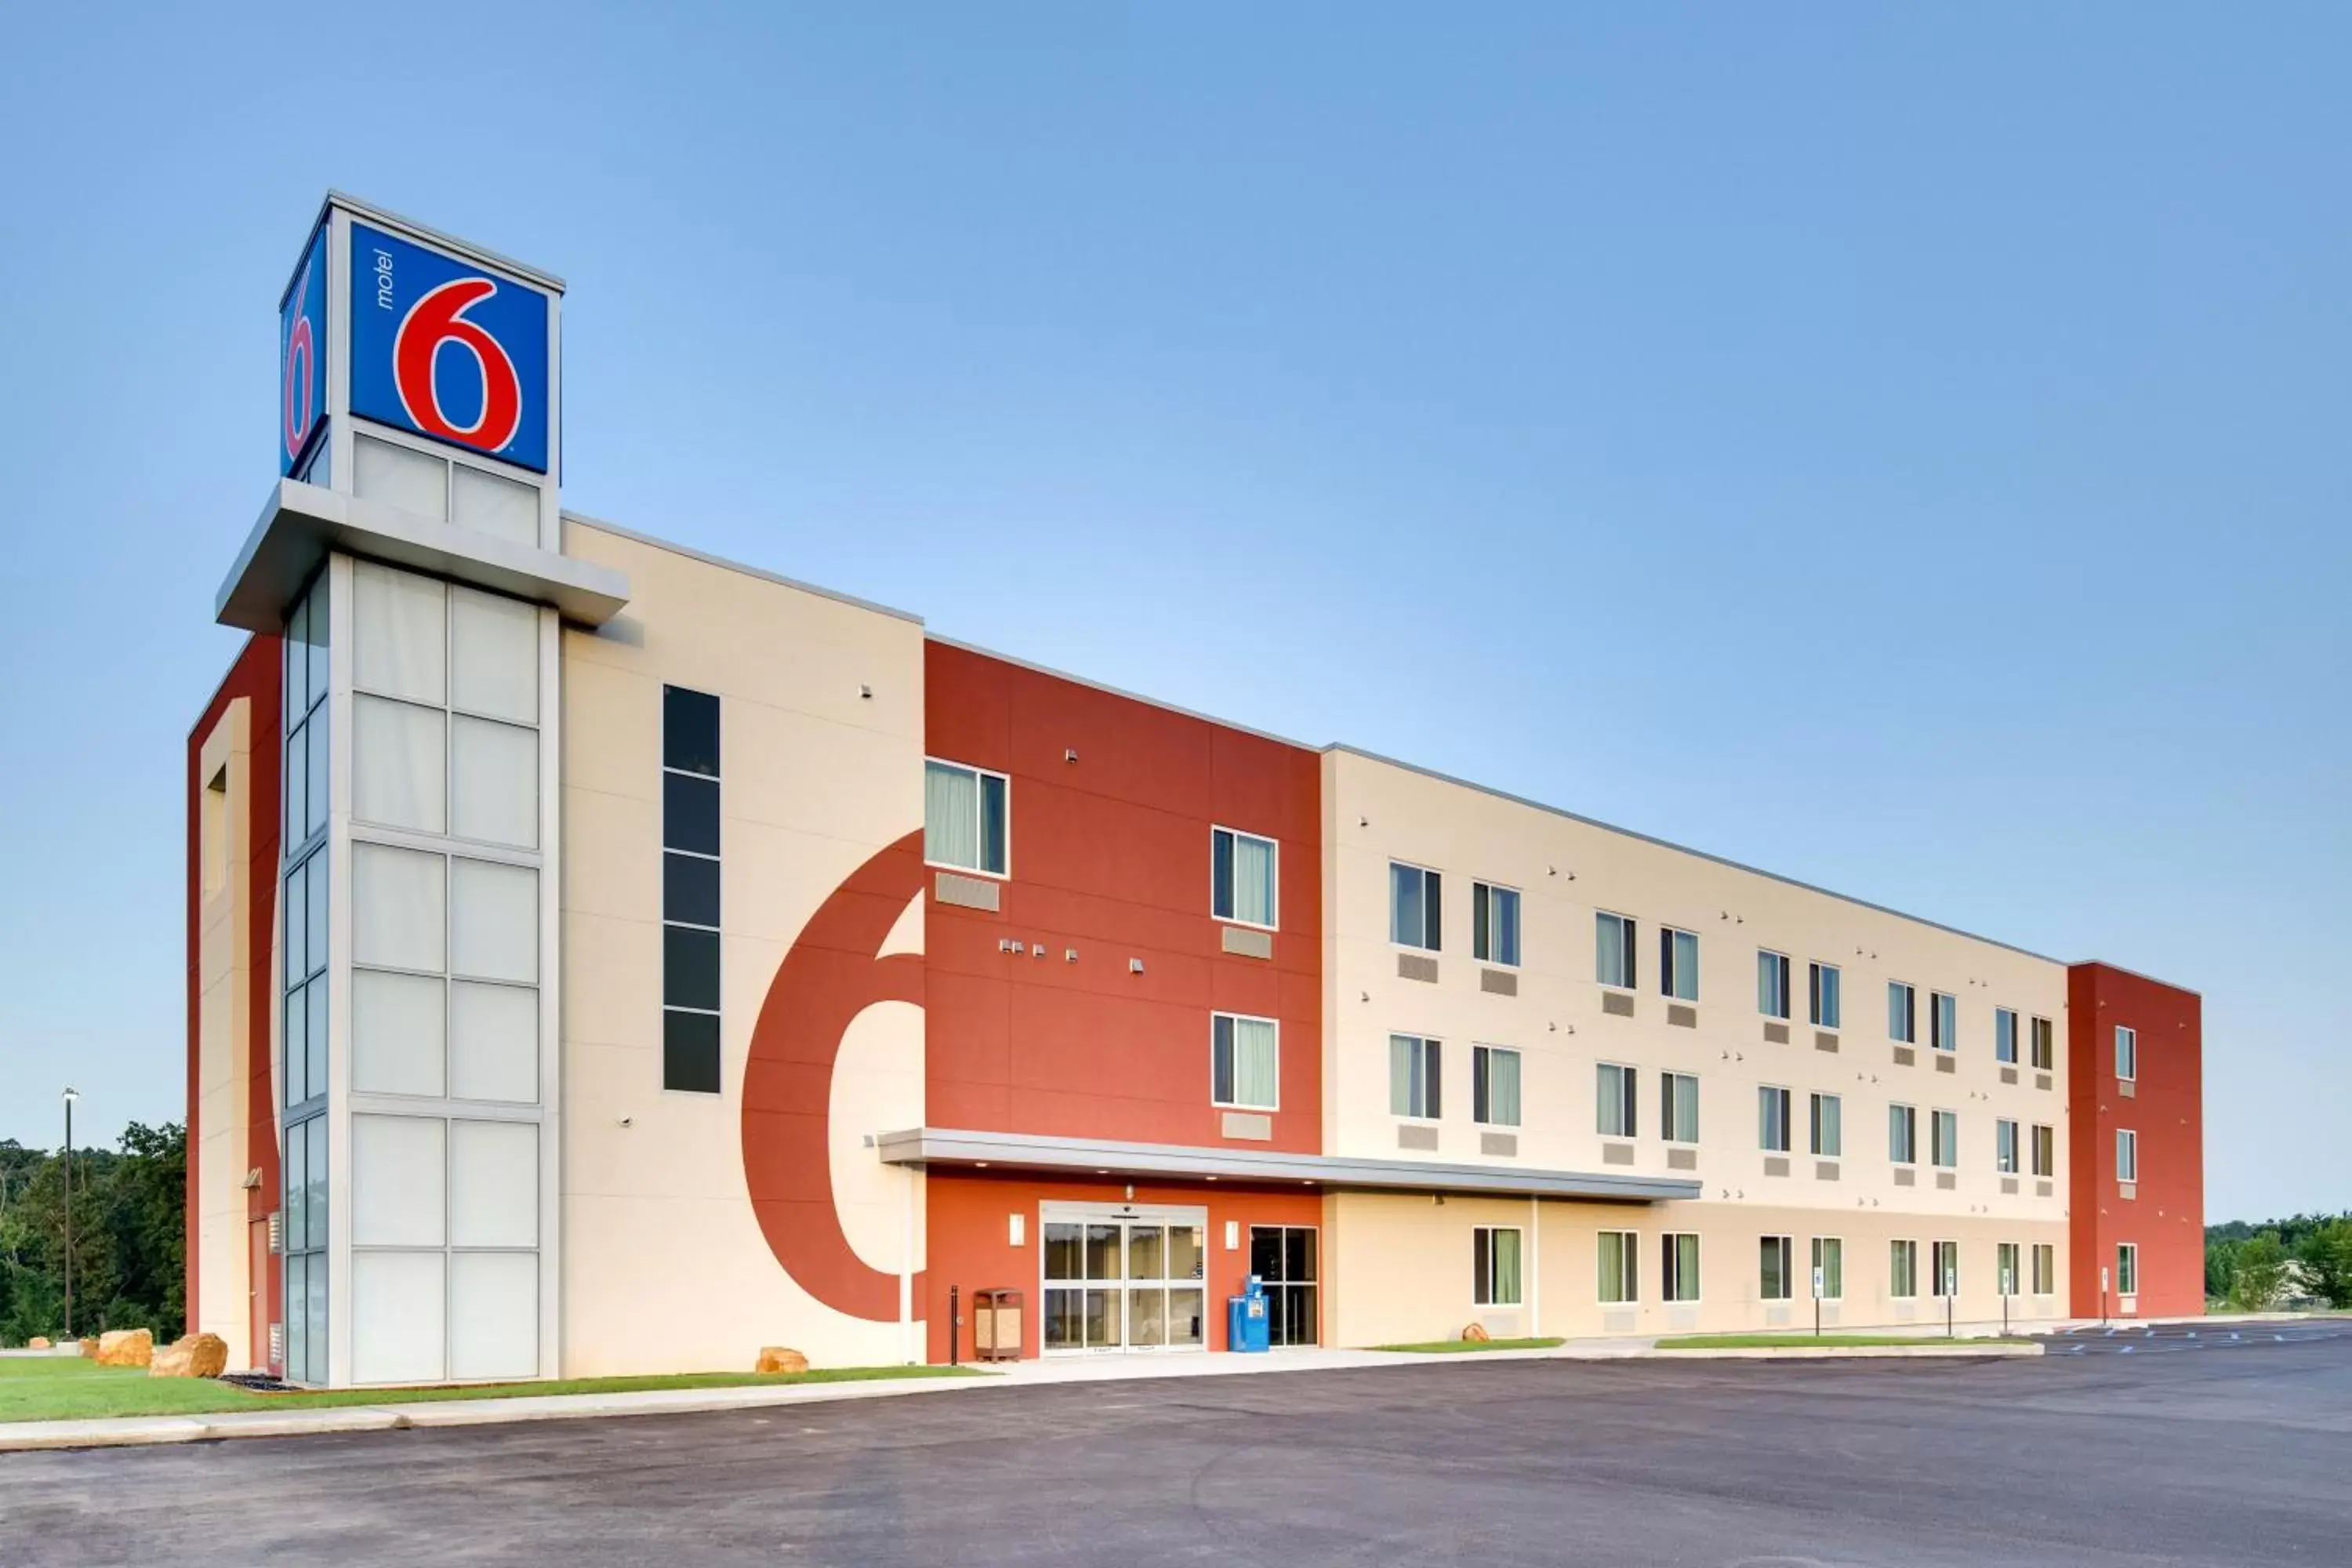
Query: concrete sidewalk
(133, 1430)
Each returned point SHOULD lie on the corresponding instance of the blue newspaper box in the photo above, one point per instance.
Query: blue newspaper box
(1246, 1324)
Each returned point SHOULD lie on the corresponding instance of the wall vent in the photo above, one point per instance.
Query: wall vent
(1243, 942)
(968, 892)
(1413, 966)
(1498, 982)
(1617, 1003)
(1777, 1034)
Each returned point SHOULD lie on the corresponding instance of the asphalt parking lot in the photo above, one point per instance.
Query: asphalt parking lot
(2203, 1456)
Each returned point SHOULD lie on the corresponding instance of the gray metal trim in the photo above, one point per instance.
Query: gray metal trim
(384, 217)
(956, 1146)
(300, 524)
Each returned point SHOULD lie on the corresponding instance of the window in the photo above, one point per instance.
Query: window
(1494, 1086)
(1617, 1096)
(1824, 997)
(1244, 1062)
(967, 819)
(2126, 1053)
(303, 908)
(1902, 1013)
(2046, 1151)
(2128, 1269)
(2004, 1036)
(1773, 1119)
(1944, 1135)
(2045, 1050)
(1828, 1133)
(1678, 1256)
(1944, 1022)
(1678, 1106)
(1828, 1269)
(1773, 1282)
(1772, 984)
(1494, 924)
(1613, 951)
(1678, 963)
(2046, 1269)
(690, 945)
(1414, 906)
(2004, 1268)
(1495, 1266)
(1902, 1135)
(2004, 1147)
(1903, 1269)
(1413, 1077)
(1242, 868)
(1620, 1267)
(2127, 1154)
(1946, 1279)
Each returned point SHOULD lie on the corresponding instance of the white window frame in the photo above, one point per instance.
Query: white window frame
(2127, 1155)
(1422, 1046)
(1436, 939)
(1813, 1125)
(1911, 1158)
(2038, 1030)
(1633, 1115)
(1910, 1035)
(1784, 980)
(981, 797)
(2127, 1250)
(1480, 1089)
(1671, 1088)
(2010, 1014)
(2127, 1054)
(2045, 1280)
(1482, 1290)
(2034, 1156)
(1243, 1104)
(1787, 1105)
(1628, 1245)
(1629, 951)
(1668, 976)
(1816, 1254)
(1940, 1288)
(1274, 845)
(1668, 1255)
(1941, 1038)
(1911, 1258)
(2008, 1258)
(1787, 1247)
(1943, 1155)
(1481, 890)
(2009, 1161)
(1814, 971)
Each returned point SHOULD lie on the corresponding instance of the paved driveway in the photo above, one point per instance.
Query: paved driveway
(2100, 1459)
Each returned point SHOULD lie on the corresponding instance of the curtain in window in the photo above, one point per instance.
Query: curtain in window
(1686, 966)
(1404, 1061)
(1255, 1065)
(1502, 1088)
(1253, 881)
(951, 815)
(1503, 1257)
(1612, 1265)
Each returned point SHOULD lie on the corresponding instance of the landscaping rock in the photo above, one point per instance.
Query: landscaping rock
(125, 1347)
(1475, 1333)
(88, 1349)
(776, 1358)
(191, 1355)
(37, 1342)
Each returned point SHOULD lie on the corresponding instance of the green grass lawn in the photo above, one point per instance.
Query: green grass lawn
(68, 1388)
(1449, 1347)
(1822, 1342)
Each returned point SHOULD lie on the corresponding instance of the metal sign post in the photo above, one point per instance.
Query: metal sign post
(1817, 1300)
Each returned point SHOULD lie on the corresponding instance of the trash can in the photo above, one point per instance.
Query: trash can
(1247, 1327)
(996, 1325)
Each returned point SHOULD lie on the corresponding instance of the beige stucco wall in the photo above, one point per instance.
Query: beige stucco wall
(224, 1013)
(665, 1267)
(1565, 870)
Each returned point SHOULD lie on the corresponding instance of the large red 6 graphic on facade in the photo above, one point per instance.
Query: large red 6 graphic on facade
(440, 318)
(832, 975)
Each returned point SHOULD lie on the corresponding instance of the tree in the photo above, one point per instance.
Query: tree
(128, 1237)
(2221, 1268)
(2261, 1273)
(2326, 1254)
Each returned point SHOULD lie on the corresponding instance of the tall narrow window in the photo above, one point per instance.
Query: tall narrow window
(2046, 1151)
(1612, 963)
(1678, 963)
(1829, 1268)
(2046, 1269)
(1494, 924)
(1495, 1266)
(1903, 1269)
(303, 908)
(1902, 1135)
(1945, 1278)
(1620, 1267)
(1901, 1014)
(2004, 1147)
(1678, 1106)
(1828, 1133)
(1242, 875)
(1615, 1093)
(1678, 1255)
(1415, 907)
(1772, 984)
(2004, 1036)
(1773, 1119)
(690, 891)
(967, 819)
(2004, 1266)
(2128, 1269)
(2127, 1154)
(1775, 1279)
(2046, 1051)
(1945, 1130)
(1494, 1086)
(1824, 995)
(2126, 1053)
(1413, 1077)
(1244, 1062)
(1944, 1033)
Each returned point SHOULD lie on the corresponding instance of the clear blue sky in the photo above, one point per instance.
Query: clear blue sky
(1908, 448)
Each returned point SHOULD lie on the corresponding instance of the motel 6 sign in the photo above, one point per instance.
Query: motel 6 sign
(302, 355)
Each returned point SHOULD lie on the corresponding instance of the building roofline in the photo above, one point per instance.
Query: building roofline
(221, 686)
(2137, 975)
(675, 548)
(384, 216)
(1107, 690)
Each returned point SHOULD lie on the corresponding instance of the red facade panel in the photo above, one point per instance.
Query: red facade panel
(2164, 1217)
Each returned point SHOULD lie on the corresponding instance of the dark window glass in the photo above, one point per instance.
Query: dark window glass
(1266, 1252)
(690, 890)
(689, 731)
(994, 825)
(1298, 1254)
(690, 1052)
(1221, 874)
(689, 814)
(689, 967)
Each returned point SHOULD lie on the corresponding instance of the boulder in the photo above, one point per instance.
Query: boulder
(89, 1348)
(125, 1347)
(1476, 1333)
(37, 1342)
(776, 1358)
(191, 1355)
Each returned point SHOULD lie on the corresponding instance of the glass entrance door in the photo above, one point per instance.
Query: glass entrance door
(1283, 1258)
(1113, 1284)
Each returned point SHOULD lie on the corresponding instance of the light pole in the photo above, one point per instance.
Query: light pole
(72, 1095)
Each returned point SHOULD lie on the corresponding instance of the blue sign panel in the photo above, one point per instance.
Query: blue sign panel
(302, 355)
(445, 350)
